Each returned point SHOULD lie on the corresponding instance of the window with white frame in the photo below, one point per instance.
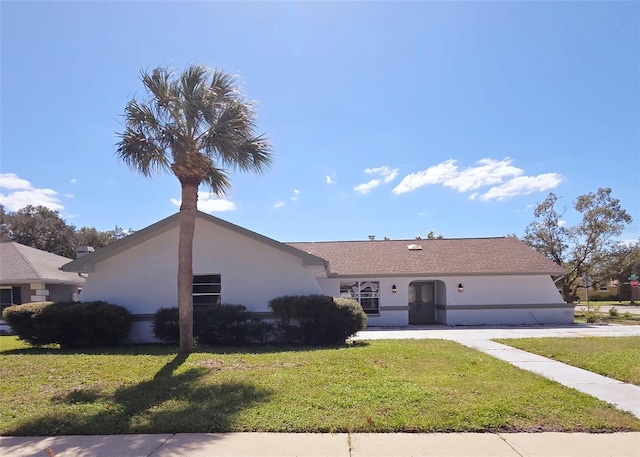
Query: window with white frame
(364, 292)
(207, 289)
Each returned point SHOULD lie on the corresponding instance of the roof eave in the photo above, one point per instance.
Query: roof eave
(447, 274)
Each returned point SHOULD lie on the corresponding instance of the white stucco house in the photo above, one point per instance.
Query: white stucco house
(470, 281)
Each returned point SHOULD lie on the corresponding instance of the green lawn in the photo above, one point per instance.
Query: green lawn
(596, 313)
(377, 386)
(620, 304)
(622, 317)
(614, 357)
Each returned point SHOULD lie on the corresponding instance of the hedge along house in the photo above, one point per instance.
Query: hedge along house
(31, 275)
(453, 282)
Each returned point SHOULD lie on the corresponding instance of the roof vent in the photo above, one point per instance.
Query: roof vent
(372, 237)
(414, 247)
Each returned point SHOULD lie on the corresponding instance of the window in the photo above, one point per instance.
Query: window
(6, 298)
(365, 293)
(206, 289)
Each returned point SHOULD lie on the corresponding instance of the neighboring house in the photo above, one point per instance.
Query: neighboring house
(448, 281)
(609, 291)
(30, 275)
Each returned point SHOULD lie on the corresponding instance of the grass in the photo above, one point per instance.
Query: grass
(378, 386)
(614, 357)
(595, 316)
(622, 304)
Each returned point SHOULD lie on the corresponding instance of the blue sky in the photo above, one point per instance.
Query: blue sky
(386, 118)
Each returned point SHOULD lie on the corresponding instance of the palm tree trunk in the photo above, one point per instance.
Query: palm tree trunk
(188, 211)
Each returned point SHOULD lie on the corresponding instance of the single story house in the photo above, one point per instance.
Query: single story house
(471, 281)
(31, 275)
(611, 290)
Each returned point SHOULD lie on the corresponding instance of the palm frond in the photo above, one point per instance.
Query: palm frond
(159, 83)
(142, 155)
(223, 85)
(197, 124)
(252, 154)
(217, 180)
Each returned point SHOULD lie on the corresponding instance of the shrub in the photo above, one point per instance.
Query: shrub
(222, 324)
(613, 311)
(259, 331)
(21, 319)
(212, 325)
(592, 314)
(71, 324)
(165, 325)
(86, 324)
(317, 319)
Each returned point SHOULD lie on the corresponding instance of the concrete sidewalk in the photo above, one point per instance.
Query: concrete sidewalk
(329, 445)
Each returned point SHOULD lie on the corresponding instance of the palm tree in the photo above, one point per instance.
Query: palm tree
(199, 126)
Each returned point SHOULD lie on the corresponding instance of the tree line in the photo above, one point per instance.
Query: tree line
(588, 248)
(43, 228)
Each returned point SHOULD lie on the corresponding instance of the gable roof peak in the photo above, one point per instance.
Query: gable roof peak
(86, 262)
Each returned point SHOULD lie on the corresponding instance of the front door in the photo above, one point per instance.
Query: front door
(422, 302)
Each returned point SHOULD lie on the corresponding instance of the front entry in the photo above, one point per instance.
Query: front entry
(422, 302)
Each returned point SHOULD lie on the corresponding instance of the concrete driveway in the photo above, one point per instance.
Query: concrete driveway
(488, 332)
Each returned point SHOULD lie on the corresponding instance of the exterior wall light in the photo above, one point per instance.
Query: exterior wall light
(460, 288)
(394, 289)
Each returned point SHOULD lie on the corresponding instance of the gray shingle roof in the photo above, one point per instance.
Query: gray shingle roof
(20, 264)
(473, 256)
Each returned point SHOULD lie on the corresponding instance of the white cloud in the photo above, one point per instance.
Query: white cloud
(562, 223)
(522, 185)
(25, 194)
(508, 180)
(391, 176)
(209, 202)
(438, 174)
(13, 182)
(73, 180)
(70, 195)
(489, 172)
(329, 180)
(293, 198)
(367, 187)
(526, 209)
(385, 174)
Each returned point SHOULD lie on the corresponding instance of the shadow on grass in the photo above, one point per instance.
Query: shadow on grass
(166, 349)
(169, 403)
